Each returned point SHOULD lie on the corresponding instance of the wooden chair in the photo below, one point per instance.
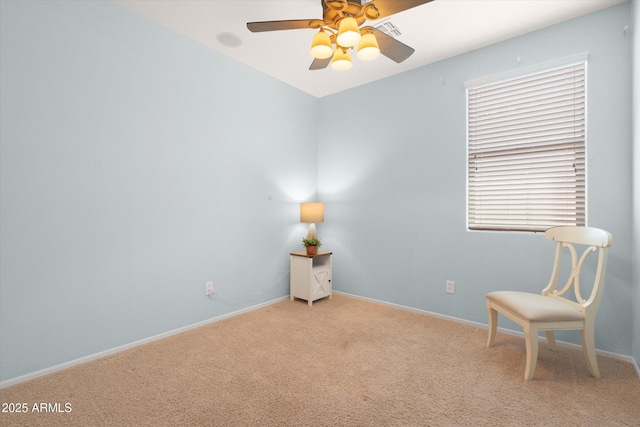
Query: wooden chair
(550, 311)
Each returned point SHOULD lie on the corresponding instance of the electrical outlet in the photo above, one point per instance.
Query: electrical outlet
(450, 286)
(208, 288)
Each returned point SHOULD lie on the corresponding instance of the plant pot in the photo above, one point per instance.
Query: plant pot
(312, 250)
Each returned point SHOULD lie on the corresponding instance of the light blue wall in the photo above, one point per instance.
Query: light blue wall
(136, 164)
(636, 178)
(393, 178)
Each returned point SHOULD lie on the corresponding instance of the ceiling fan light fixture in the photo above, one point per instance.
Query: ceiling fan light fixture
(348, 32)
(321, 46)
(368, 48)
(341, 60)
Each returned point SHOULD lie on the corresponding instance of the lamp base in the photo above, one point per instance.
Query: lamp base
(312, 232)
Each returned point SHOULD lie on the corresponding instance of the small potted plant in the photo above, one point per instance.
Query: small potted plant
(311, 244)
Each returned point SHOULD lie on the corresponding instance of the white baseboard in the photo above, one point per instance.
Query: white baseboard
(609, 354)
(91, 357)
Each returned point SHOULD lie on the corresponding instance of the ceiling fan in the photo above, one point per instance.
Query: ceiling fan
(341, 26)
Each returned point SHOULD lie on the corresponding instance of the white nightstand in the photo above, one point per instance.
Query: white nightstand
(310, 276)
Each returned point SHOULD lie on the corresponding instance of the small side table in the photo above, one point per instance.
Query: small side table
(310, 276)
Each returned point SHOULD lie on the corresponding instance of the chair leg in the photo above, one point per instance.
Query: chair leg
(551, 339)
(588, 348)
(531, 340)
(493, 324)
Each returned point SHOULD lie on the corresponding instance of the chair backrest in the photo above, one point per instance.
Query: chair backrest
(566, 237)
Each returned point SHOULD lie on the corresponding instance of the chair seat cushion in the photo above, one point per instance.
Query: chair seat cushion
(535, 307)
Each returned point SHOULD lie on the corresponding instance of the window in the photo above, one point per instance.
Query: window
(526, 153)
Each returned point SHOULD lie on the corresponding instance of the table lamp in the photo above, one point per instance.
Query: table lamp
(312, 213)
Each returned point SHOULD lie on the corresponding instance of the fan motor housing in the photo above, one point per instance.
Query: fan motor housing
(334, 11)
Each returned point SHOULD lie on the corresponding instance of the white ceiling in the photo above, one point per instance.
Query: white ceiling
(436, 30)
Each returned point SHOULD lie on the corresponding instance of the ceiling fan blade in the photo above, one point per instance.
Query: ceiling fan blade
(390, 47)
(294, 24)
(319, 64)
(389, 7)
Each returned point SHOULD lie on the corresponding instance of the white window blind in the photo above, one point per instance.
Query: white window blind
(527, 151)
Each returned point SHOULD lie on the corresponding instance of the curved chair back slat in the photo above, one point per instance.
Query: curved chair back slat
(566, 237)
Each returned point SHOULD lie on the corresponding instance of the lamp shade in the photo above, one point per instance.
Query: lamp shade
(321, 46)
(312, 212)
(348, 32)
(368, 48)
(341, 60)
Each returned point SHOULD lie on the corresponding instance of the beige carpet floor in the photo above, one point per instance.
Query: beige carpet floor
(342, 362)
